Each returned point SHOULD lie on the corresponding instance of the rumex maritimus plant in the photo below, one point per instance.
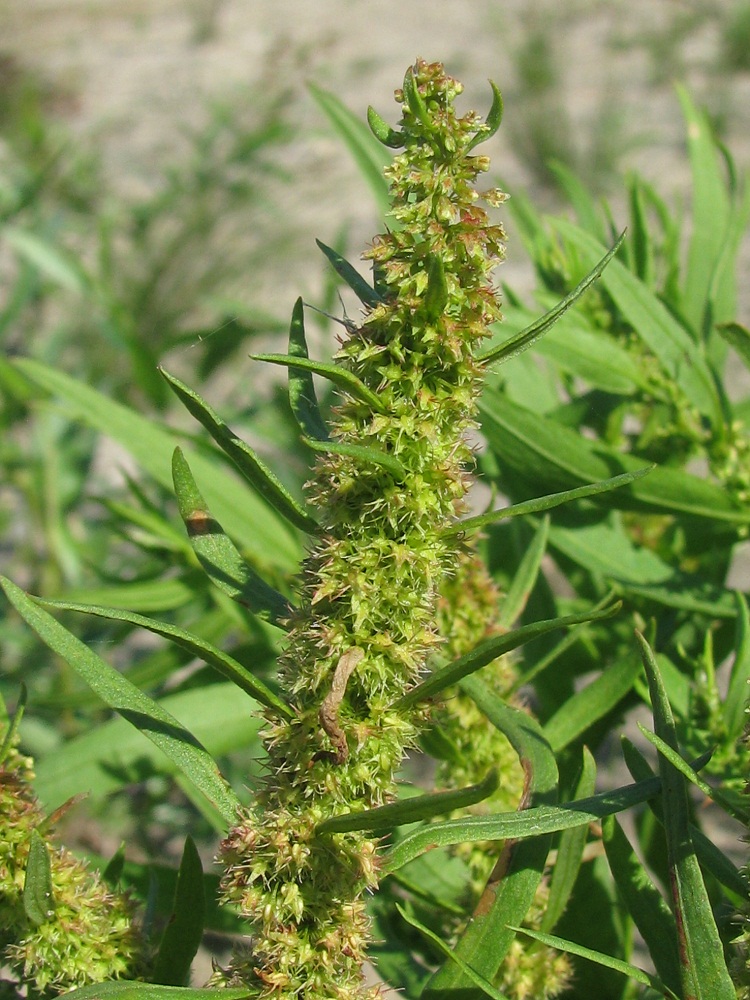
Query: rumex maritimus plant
(380, 602)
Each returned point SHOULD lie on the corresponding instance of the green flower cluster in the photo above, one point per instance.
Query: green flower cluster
(87, 934)
(393, 479)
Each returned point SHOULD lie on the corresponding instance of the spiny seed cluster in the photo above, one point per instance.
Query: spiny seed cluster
(370, 584)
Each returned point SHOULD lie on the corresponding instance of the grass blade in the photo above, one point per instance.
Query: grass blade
(146, 715)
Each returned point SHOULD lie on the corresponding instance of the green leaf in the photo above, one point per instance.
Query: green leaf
(410, 810)
(591, 703)
(525, 577)
(143, 595)
(543, 451)
(571, 948)
(492, 122)
(383, 131)
(105, 759)
(545, 503)
(570, 851)
(488, 650)
(681, 765)
(511, 887)
(471, 974)
(13, 723)
(436, 294)
(340, 377)
(368, 153)
(184, 930)
(143, 991)
(140, 710)
(678, 353)
(217, 553)
(38, 898)
(738, 337)
(243, 456)
(523, 340)
(50, 260)
(737, 693)
(710, 212)
(703, 971)
(222, 662)
(302, 397)
(415, 101)
(364, 292)
(644, 903)
(531, 822)
(244, 514)
(363, 454)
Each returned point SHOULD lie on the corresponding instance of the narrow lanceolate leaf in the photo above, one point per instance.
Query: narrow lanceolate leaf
(539, 504)
(490, 649)
(469, 973)
(364, 292)
(631, 971)
(218, 554)
(182, 935)
(340, 377)
(245, 514)
(383, 131)
(38, 899)
(493, 120)
(362, 453)
(511, 887)
(436, 294)
(368, 153)
(703, 971)
(523, 340)
(243, 456)
(681, 765)
(516, 825)
(591, 703)
(13, 723)
(411, 810)
(222, 662)
(302, 397)
(525, 577)
(544, 451)
(136, 707)
(709, 855)
(144, 991)
(677, 352)
(644, 903)
(738, 337)
(570, 851)
(737, 694)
